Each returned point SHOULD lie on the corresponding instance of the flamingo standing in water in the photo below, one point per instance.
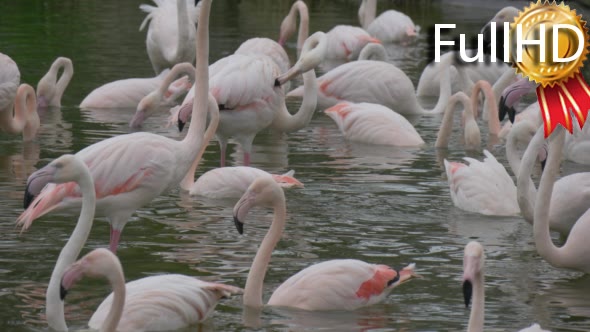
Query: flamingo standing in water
(171, 32)
(50, 89)
(344, 41)
(128, 93)
(390, 26)
(574, 252)
(129, 171)
(340, 284)
(373, 124)
(473, 287)
(156, 303)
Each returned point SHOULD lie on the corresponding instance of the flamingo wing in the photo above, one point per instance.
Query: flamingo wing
(482, 186)
(164, 303)
(343, 284)
(392, 26)
(9, 81)
(268, 47)
(226, 182)
(125, 93)
(345, 42)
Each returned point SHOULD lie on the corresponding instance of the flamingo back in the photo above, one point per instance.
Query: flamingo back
(345, 42)
(9, 81)
(392, 26)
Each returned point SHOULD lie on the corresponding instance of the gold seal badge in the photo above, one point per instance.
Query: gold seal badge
(548, 73)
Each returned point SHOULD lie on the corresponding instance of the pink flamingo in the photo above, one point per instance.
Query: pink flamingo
(25, 119)
(574, 252)
(50, 89)
(128, 93)
(473, 286)
(345, 42)
(390, 26)
(229, 182)
(129, 171)
(156, 303)
(341, 284)
(373, 124)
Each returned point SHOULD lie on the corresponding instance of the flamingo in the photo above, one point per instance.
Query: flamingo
(461, 76)
(129, 171)
(390, 26)
(156, 303)
(506, 14)
(372, 82)
(512, 94)
(341, 284)
(128, 93)
(25, 119)
(572, 192)
(373, 124)
(50, 89)
(230, 182)
(574, 252)
(248, 88)
(9, 82)
(344, 41)
(472, 134)
(473, 286)
(171, 32)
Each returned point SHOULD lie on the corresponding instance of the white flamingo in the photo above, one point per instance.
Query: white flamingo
(574, 252)
(390, 26)
(50, 89)
(129, 171)
(9, 82)
(171, 32)
(473, 286)
(340, 284)
(25, 119)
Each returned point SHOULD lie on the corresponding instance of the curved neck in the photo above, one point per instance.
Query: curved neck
(54, 306)
(253, 289)
(491, 105)
(476, 318)
(64, 79)
(26, 118)
(189, 178)
(445, 89)
(525, 188)
(285, 122)
(177, 72)
(545, 247)
(503, 82)
(301, 8)
(512, 151)
(373, 51)
(117, 281)
(444, 133)
(367, 12)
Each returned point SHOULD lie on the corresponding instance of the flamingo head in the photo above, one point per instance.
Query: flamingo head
(45, 92)
(287, 180)
(312, 54)
(511, 95)
(288, 28)
(473, 264)
(99, 262)
(146, 108)
(64, 169)
(264, 191)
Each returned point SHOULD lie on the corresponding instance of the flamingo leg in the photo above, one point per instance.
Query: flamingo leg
(246, 158)
(115, 236)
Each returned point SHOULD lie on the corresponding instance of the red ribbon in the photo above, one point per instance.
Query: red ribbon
(556, 102)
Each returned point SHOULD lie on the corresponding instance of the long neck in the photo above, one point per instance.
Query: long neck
(194, 138)
(444, 133)
(178, 71)
(183, 23)
(490, 104)
(189, 179)
(16, 124)
(303, 22)
(445, 89)
(117, 281)
(373, 51)
(369, 11)
(54, 306)
(503, 82)
(64, 79)
(525, 188)
(476, 318)
(512, 152)
(253, 289)
(545, 247)
(286, 122)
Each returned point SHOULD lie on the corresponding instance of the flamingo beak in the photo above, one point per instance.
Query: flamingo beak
(239, 225)
(467, 292)
(36, 182)
(70, 277)
(180, 124)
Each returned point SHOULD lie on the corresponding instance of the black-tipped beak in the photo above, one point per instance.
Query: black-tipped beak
(504, 110)
(277, 82)
(62, 292)
(543, 162)
(28, 199)
(180, 125)
(239, 225)
(467, 292)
